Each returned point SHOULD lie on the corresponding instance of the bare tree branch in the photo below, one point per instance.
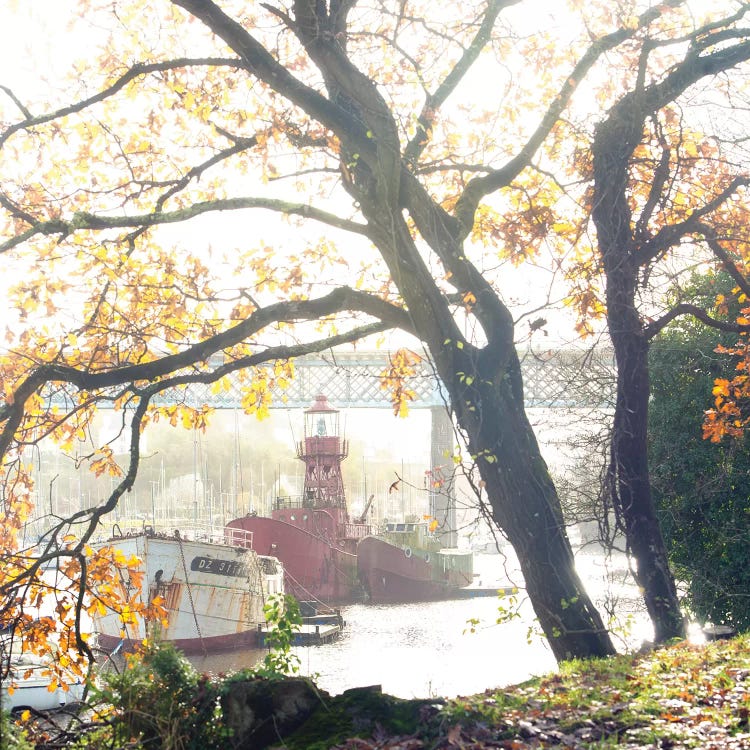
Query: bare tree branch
(684, 308)
(479, 187)
(25, 112)
(339, 300)
(82, 220)
(671, 234)
(728, 264)
(448, 85)
(139, 69)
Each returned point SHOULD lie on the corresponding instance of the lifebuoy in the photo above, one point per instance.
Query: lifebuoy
(407, 551)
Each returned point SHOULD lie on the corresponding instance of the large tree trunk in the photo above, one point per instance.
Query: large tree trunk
(630, 482)
(629, 247)
(486, 394)
(526, 506)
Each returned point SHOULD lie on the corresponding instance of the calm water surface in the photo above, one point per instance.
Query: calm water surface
(428, 649)
(414, 650)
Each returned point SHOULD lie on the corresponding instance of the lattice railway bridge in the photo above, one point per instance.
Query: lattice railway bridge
(553, 378)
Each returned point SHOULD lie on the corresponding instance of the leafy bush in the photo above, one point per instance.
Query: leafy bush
(162, 703)
(283, 618)
(701, 489)
(12, 737)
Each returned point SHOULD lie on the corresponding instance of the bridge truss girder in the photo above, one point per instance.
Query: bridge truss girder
(552, 378)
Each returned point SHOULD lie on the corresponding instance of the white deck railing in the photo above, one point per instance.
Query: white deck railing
(189, 532)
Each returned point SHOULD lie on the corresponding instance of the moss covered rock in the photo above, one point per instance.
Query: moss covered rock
(359, 712)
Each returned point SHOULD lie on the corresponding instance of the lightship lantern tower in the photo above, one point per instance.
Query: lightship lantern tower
(322, 450)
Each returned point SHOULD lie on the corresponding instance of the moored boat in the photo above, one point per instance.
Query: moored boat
(27, 685)
(213, 585)
(406, 562)
(332, 557)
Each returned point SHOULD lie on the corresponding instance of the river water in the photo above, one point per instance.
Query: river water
(428, 649)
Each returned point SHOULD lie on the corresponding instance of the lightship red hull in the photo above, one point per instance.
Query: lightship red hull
(332, 557)
(316, 565)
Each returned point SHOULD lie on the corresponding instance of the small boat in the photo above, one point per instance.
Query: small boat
(212, 582)
(406, 563)
(320, 624)
(27, 686)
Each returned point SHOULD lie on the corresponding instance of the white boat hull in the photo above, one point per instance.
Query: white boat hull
(27, 686)
(213, 593)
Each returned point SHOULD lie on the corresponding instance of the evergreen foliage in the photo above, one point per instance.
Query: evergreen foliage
(701, 489)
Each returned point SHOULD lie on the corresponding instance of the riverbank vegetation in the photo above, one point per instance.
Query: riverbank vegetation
(679, 696)
(700, 486)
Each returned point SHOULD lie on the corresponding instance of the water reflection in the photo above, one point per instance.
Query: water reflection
(423, 650)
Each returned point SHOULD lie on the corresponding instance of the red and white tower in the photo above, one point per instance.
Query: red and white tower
(322, 450)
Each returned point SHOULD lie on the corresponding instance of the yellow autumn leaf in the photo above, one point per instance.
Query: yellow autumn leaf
(690, 149)
(721, 387)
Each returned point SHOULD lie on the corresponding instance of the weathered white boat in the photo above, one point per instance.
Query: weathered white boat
(212, 583)
(27, 686)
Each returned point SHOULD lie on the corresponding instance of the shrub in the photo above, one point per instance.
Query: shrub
(12, 736)
(163, 703)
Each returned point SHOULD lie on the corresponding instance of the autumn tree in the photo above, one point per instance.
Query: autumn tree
(372, 121)
(668, 192)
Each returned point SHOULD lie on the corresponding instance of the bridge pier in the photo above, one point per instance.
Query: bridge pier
(442, 492)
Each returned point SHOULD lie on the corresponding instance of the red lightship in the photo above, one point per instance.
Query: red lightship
(314, 535)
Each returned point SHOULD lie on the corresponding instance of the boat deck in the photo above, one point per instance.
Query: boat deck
(309, 634)
(470, 592)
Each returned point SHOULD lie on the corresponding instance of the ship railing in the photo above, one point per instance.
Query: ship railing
(289, 502)
(237, 537)
(192, 532)
(357, 530)
(217, 535)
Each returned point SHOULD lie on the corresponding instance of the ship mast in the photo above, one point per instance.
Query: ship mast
(322, 450)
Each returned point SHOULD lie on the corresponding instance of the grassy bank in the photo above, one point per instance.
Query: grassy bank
(682, 696)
